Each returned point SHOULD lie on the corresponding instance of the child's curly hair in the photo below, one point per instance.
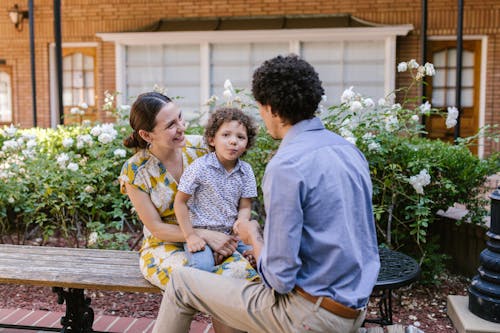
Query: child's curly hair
(226, 114)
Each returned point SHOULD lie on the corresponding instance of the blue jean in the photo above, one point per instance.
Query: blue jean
(204, 259)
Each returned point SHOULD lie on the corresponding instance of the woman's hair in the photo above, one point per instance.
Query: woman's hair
(290, 86)
(143, 117)
(226, 114)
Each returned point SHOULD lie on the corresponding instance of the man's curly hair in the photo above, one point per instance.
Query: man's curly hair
(290, 86)
(226, 114)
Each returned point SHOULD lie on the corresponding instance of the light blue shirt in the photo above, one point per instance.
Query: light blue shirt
(215, 193)
(319, 232)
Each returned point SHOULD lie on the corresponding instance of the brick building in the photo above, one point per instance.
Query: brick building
(191, 47)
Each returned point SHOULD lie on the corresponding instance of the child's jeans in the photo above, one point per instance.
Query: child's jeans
(204, 259)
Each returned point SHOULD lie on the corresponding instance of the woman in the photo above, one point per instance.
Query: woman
(150, 178)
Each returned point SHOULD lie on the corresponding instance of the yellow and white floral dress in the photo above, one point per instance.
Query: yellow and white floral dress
(158, 258)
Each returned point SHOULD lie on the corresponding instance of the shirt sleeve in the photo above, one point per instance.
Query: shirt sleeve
(189, 180)
(279, 261)
(130, 174)
(250, 185)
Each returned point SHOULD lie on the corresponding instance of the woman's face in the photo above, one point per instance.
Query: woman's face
(169, 130)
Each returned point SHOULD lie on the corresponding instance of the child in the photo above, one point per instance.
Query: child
(216, 189)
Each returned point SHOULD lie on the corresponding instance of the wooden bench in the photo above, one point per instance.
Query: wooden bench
(69, 271)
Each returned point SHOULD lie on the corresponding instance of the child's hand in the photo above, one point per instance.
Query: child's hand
(195, 243)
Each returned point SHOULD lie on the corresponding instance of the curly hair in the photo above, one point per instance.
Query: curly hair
(290, 86)
(226, 114)
(143, 117)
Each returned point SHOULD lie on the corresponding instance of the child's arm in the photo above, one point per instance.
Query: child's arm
(194, 242)
(244, 209)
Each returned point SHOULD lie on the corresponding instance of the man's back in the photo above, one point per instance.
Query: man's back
(318, 190)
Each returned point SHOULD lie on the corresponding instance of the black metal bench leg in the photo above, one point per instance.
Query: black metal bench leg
(79, 315)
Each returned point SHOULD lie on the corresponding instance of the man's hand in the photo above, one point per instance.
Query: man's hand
(195, 243)
(247, 231)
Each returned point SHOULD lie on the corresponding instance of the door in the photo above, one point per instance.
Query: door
(441, 88)
(79, 84)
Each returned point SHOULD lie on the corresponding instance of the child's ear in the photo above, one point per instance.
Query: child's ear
(211, 142)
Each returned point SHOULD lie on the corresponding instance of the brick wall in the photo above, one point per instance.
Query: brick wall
(82, 19)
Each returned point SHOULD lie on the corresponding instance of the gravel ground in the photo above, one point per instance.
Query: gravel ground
(417, 305)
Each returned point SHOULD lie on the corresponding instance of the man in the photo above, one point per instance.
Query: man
(318, 257)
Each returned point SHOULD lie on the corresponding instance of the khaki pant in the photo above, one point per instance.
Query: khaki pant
(248, 306)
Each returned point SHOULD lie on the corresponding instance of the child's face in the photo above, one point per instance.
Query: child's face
(230, 141)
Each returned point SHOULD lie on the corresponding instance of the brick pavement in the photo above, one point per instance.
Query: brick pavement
(101, 322)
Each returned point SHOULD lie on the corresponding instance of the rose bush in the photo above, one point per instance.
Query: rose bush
(64, 180)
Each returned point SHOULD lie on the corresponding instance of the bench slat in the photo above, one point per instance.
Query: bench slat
(72, 268)
(62, 259)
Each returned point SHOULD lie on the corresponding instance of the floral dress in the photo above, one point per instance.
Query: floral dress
(158, 258)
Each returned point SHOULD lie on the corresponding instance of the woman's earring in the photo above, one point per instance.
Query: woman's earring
(149, 145)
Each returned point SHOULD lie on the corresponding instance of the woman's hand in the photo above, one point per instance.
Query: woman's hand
(219, 242)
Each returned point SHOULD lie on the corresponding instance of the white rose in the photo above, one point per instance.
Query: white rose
(67, 142)
(402, 67)
(120, 152)
(72, 166)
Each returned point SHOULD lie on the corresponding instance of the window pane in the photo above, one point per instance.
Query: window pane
(5, 97)
(175, 67)
(439, 59)
(237, 63)
(88, 63)
(89, 80)
(90, 97)
(77, 61)
(78, 96)
(467, 97)
(67, 79)
(77, 79)
(467, 58)
(438, 80)
(67, 97)
(467, 77)
(67, 63)
(452, 58)
(438, 97)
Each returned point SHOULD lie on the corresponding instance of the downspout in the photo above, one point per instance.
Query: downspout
(58, 49)
(458, 84)
(32, 58)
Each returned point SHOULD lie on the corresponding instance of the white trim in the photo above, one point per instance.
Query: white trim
(120, 73)
(293, 37)
(204, 79)
(482, 93)
(190, 37)
(294, 47)
(390, 66)
(54, 117)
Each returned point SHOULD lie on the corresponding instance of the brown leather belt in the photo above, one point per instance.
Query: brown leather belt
(330, 305)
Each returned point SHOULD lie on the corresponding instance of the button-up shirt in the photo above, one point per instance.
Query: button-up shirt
(320, 231)
(215, 192)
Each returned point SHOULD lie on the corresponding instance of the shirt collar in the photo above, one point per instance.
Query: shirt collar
(214, 161)
(312, 124)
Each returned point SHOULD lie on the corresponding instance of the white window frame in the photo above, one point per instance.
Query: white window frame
(386, 34)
